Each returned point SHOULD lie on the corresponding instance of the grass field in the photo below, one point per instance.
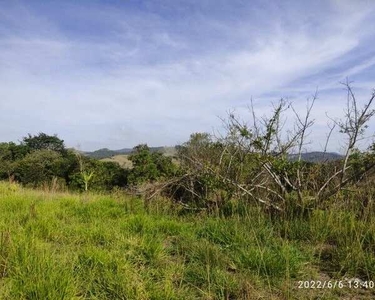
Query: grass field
(121, 159)
(124, 162)
(70, 246)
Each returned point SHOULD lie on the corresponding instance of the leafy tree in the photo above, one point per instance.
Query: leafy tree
(5, 161)
(43, 141)
(111, 175)
(149, 166)
(166, 168)
(39, 167)
(144, 167)
(10, 153)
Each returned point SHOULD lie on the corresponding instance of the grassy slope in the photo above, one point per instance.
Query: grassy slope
(64, 246)
(121, 159)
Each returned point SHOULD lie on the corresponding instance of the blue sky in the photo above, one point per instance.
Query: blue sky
(118, 73)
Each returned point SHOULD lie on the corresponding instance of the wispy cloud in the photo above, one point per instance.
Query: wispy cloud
(113, 76)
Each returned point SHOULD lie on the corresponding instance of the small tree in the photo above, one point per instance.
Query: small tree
(353, 125)
(86, 175)
(6, 161)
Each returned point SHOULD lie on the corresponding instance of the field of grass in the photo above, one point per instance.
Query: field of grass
(121, 159)
(124, 162)
(71, 246)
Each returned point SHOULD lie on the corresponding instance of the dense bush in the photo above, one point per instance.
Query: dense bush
(39, 166)
(40, 159)
(105, 175)
(149, 166)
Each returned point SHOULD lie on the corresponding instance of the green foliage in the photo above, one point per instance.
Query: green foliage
(10, 153)
(40, 159)
(43, 141)
(149, 166)
(359, 163)
(97, 175)
(36, 160)
(108, 175)
(164, 165)
(105, 249)
(197, 147)
(38, 167)
(144, 168)
(6, 167)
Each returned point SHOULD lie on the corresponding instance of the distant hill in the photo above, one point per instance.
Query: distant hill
(107, 153)
(101, 153)
(317, 156)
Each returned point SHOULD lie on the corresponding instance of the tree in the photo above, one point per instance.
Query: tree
(10, 155)
(86, 173)
(144, 167)
(255, 158)
(353, 125)
(43, 141)
(149, 166)
(6, 161)
(39, 167)
(164, 165)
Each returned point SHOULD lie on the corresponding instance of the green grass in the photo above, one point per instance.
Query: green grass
(69, 246)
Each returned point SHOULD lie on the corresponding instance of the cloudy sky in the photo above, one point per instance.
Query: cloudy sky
(118, 73)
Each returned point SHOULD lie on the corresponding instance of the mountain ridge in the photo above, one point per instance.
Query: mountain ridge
(312, 156)
(108, 153)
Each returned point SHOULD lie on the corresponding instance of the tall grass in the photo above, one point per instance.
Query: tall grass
(70, 246)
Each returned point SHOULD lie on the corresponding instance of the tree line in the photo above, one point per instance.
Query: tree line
(43, 160)
(249, 162)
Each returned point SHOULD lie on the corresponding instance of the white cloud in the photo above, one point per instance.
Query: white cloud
(144, 83)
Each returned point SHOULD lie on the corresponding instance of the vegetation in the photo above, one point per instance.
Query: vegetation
(149, 166)
(237, 216)
(66, 246)
(43, 160)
